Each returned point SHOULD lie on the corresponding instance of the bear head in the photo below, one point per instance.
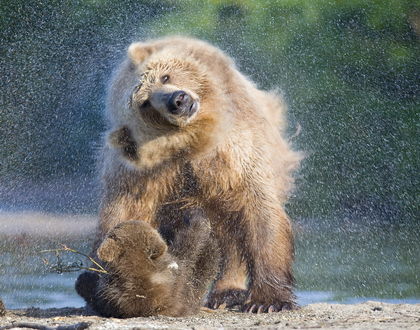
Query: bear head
(169, 93)
(174, 108)
(135, 245)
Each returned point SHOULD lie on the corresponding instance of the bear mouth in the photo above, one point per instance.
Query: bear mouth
(193, 108)
(186, 111)
(176, 108)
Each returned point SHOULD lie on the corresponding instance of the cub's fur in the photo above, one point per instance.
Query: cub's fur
(145, 277)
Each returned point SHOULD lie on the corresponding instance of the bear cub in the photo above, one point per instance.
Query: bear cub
(146, 276)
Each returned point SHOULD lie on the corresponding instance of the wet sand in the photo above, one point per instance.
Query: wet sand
(369, 315)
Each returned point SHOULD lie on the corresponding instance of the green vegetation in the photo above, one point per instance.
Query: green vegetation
(350, 71)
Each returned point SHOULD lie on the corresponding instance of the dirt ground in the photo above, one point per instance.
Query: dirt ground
(369, 315)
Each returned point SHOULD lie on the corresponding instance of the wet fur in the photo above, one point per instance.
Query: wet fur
(231, 160)
(146, 277)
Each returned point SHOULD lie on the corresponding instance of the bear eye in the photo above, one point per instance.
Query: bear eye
(164, 79)
(137, 88)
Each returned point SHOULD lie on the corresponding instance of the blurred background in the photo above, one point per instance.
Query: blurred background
(349, 70)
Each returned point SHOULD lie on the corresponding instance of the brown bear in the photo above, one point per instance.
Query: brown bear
(187, 129)
(146, 278)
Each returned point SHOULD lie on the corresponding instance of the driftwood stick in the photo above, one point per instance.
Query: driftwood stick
(72, 268)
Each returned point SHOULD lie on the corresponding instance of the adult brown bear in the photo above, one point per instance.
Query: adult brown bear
(187, 129)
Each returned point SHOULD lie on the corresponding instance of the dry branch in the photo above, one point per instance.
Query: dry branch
(61, 267)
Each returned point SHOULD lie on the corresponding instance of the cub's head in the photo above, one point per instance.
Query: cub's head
(171, 90)
(134, 245)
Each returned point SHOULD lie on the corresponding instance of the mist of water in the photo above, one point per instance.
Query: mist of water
(350, 75)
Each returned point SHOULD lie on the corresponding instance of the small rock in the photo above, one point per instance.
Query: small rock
(376, 309)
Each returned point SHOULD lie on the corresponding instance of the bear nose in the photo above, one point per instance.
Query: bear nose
(180, 102)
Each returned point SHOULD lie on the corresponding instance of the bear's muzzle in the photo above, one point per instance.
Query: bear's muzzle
(181, 103)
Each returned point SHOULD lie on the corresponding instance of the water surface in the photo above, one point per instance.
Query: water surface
(340, 263)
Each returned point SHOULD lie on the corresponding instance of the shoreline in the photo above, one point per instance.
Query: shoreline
(43, 224)
(368, 315)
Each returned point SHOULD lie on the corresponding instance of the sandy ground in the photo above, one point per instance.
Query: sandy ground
(369, 315)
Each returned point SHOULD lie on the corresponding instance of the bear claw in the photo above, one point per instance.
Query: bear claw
(229, 298)
(259, 309)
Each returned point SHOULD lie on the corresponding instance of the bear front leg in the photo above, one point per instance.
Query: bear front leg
(262, 233)
(230, 287)
(269, 254)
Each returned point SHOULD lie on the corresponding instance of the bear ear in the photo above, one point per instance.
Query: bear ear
(109, 250)
(138, 52)
(157, 249)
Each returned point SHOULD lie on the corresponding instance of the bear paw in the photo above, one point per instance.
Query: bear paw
(86, 285)
(267, 308)
(228, 297)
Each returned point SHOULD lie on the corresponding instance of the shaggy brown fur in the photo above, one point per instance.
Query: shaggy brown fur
(145, 278)
(226, 155)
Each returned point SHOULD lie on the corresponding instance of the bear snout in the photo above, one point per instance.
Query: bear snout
(181, 103)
